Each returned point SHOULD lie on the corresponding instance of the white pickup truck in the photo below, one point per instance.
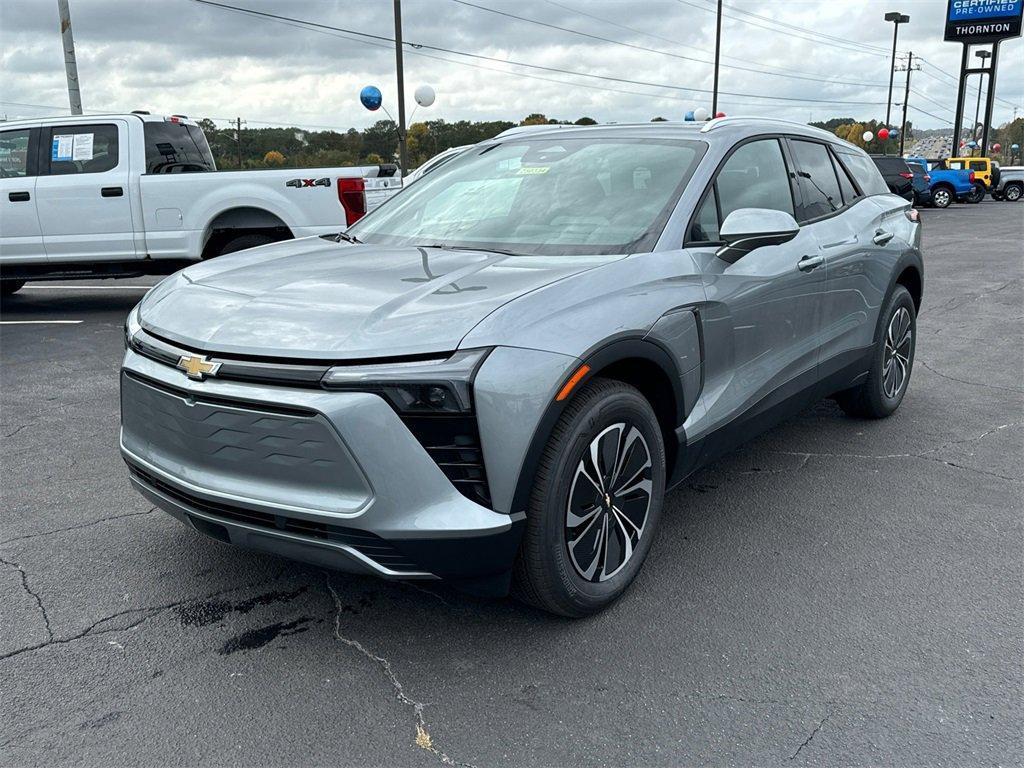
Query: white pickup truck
(123, 195)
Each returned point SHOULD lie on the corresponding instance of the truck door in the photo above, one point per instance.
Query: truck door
(21, 240)
(82, 193)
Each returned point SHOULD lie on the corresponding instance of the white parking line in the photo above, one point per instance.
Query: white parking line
(40, 322)
(86, 287)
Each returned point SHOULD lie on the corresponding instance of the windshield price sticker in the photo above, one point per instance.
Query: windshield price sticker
(533, 170)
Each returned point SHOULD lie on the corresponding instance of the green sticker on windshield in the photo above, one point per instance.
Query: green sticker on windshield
(533, 170)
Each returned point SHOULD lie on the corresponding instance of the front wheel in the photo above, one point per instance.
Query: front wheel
(891, 364)
(596, 501)
(942, 197)
(1013, 192)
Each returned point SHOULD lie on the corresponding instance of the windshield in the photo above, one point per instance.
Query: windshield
(542, 196)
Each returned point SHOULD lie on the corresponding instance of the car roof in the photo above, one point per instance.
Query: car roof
(65, 119)
(727, 129)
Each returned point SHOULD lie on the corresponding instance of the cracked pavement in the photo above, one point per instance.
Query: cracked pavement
(837, 592)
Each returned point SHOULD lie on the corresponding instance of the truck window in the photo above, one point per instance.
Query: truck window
(977, 165)
(13, 154)
(176, 148)
(864, 172)
(83, 149)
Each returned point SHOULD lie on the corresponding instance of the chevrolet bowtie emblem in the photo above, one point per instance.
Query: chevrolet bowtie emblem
(197, 366)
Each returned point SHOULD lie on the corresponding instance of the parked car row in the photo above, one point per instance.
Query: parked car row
(957, 179)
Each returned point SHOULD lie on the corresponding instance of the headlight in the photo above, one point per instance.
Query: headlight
(422, 387)
(131, 327)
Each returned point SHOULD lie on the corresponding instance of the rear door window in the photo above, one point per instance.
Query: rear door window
(83, 149)
(846, 186)
(754, 176)
(819, 187)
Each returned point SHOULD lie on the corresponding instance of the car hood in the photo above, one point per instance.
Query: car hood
(318, 299)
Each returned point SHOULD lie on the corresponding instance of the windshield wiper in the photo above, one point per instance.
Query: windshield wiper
(443, 247)
(346, 237)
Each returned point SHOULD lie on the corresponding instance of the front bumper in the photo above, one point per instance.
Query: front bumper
(330, 478)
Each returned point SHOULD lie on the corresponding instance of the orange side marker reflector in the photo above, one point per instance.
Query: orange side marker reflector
(563, 393)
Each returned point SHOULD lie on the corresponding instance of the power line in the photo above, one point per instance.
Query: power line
(558, 70)
(647, 49)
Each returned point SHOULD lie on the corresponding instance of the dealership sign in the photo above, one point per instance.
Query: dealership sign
(983, 21)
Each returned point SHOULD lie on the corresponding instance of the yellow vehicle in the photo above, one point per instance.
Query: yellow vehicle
(985, 170)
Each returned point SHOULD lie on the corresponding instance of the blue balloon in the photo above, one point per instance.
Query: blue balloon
(894, 132)
(371, 97)
(689, 116)
(972, 144)
(1015, 147)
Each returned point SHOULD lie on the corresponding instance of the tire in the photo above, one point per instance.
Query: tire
(240, 243)
(883, 390)
(10, 287)
(942, 196)
(560, 567)
(976, 195)
(1013, 192)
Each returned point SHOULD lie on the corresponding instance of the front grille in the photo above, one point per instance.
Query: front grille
(453, 442)
(368, 544)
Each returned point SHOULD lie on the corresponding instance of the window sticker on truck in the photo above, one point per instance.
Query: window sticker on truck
(62, 146)
(82, 146)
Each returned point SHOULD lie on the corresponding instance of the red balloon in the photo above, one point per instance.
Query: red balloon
(883, 133)
(996, 147)
(719, 114)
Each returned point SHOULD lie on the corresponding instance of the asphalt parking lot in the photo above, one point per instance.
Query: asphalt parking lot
(837, 593)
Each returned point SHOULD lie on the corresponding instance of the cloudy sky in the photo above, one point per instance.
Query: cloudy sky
(614, 60)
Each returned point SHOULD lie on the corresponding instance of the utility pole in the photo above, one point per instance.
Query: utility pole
(70, 65)
(718, 53)
(906, 98)
(238, 139)
(403, 153)
(896, 18)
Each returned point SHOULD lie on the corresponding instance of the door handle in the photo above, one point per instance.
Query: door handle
(19, 197)
(882, 237)
(807, 263)
(112, 192)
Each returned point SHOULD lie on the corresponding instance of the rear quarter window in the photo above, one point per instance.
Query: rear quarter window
(176, 148)
(864, 171)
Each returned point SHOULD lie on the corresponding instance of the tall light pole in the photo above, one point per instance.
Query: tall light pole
(977, 107)
(403, 153)
(896, 18)
(718, 52)
(70, 65)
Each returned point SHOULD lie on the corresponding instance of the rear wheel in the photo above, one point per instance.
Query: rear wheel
(892, 362)
(9, 287)
(1013, 192)
(976, 195)
(942, 197)
(596, 501)
(240, 243)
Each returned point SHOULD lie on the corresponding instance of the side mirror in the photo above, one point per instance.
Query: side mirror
(749, 228)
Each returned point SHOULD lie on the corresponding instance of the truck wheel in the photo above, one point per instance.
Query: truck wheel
(1013, 192)
(9, 287)
(240, 243)
(942, 197)
(976, 195)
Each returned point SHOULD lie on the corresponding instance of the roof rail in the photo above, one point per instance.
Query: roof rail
(718, 122)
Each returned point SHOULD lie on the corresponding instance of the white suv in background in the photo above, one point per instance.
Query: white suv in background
(122, 195)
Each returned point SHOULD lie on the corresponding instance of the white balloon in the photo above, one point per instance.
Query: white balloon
(700, 114)
(425, 95)
(868, 136)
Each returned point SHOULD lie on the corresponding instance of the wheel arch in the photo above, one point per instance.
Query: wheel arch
(641, 363)
(238, 220)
